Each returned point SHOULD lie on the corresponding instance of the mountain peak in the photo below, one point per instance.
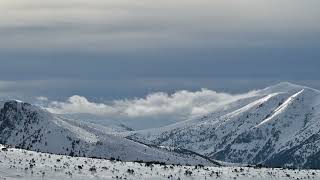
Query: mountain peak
(286, 84)
(284, 87)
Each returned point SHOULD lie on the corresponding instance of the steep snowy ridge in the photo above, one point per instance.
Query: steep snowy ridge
(26, 126)
(279, 127)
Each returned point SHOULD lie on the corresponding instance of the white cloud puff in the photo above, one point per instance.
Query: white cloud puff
(42, 98)
(177, 106)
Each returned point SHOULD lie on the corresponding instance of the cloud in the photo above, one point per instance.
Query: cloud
(122, 25)
(178, 106)
(42, 98)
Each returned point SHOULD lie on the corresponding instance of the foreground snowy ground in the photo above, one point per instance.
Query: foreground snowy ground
(22, 164)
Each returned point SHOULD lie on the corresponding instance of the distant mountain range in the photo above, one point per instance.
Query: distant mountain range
(277, 126)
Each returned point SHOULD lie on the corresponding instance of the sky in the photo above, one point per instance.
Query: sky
(125, 49)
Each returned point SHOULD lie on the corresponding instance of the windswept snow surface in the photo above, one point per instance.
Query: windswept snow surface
(29, 165)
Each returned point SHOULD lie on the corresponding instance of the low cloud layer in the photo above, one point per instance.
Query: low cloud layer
(157, 106)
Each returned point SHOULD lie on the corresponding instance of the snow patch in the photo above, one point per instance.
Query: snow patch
(251, 105)
(281, 108)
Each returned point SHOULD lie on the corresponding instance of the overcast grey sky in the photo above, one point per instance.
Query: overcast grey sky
(117, 49)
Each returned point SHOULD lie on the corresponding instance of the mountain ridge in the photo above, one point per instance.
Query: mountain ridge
(278, 126)
(281, 119)
(25, 126)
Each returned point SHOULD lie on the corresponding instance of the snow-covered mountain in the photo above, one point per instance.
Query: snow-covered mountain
(29, 127)
(276, 126)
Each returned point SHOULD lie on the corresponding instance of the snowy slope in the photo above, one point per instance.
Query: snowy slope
(277, 126)
(22, 164)
(107, 125)
(28, 127)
